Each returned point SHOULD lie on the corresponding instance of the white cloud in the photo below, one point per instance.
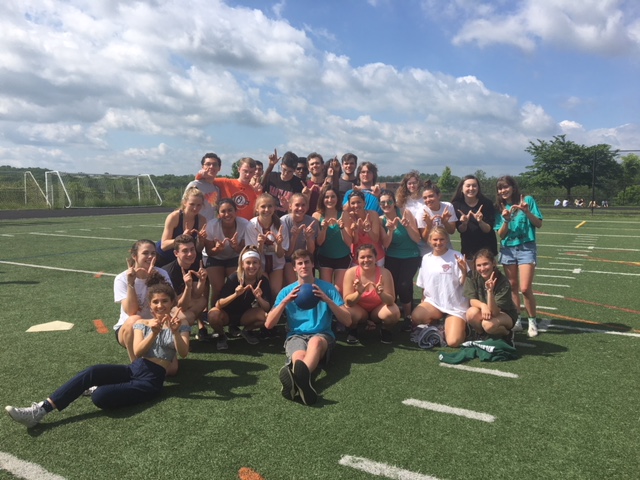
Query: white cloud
(146, 87)
(605, 27)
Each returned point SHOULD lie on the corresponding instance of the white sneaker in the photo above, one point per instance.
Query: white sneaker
(28, 416)
(517, 327)
(89, 391)
(533, 328)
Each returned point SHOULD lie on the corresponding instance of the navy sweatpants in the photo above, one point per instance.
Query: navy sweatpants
(118, 385)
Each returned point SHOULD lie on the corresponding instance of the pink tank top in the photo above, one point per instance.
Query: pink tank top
(369, 298)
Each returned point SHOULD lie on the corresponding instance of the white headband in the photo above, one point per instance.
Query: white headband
(250, 254)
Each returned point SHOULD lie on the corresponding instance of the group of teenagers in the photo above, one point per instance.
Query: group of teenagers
(240, 253)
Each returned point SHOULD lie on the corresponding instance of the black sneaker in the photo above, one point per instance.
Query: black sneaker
(203, 335)
(352, 337)
(234, 331)
(509, 338)
(302, 380)
(407, 326)
(289, 390)
(386, 336)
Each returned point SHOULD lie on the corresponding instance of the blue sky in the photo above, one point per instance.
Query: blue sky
(148, 87)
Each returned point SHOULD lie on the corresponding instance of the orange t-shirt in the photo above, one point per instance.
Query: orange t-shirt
(244, 196)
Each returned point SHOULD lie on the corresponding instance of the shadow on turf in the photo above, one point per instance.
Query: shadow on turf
(20, 282)
(201, 379)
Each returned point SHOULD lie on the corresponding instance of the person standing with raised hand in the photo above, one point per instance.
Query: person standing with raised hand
(284, 184)
(205, 182)
(516, 227)
(309, 339)
(476, 220)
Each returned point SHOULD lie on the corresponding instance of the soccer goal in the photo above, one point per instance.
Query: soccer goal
(86, 190)
(20, 190)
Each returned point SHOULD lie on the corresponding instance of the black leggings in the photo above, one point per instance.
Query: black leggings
(403, 270)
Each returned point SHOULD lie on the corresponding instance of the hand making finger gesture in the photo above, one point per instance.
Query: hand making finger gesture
(478, 215)
(202, 233)
(202, 272)
(379, 287)
(392, 225)
(257, 291)
(310, 231)
(464, 217)
(279, 236)
(405, 219)
(523, 205)
(174, 321)
(358, 286)
(462, 262)
(273, 158)
(233, 241)
(490, 283)
(187, 278)
(366, 226)
(446, 216)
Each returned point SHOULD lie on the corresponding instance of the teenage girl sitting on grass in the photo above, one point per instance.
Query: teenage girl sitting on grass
(156, 342)
(492, 310)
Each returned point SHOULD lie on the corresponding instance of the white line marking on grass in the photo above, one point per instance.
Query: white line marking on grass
(539, 307)
(487, 371)
(569, 264)
(82, 236)
(548, 295)
(551, 285)
(554, 269)
(84, 229)
(577, 270)
(557, 276)
(6, 235)
(621, 249)
(612, 273)
(27, 470)
(595, 235)
(566, 258)
(57, 268)
(382, 469)
(438, 407)
(569, 249)
(595, 330)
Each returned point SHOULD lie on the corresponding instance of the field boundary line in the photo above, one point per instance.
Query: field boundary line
(594, 330)
(24, 469)
(486, 371)
(382, 469)
(81, 236)
(461, 412)
(45, 267)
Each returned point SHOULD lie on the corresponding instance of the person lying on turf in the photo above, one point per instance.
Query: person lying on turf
(156, 341)
(309, 303)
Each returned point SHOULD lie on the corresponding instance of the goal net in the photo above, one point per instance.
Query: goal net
(85, 190)
(20, 190)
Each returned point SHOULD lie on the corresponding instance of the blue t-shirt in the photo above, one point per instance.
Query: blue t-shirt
(371, 202)
(521, 230)
(314, 320)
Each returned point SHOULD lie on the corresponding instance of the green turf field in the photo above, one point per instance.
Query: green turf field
(568, 411)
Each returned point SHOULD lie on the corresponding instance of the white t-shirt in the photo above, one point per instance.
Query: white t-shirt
(416, 206)
(211, 197)
(440, 278)
(214, 231)
(437, 217)
(120, 293)
(251, 238)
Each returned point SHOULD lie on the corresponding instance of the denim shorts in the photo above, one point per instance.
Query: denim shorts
(523, 254)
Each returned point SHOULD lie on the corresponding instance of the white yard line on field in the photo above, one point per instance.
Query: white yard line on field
(461, 412)
(58, 268)
(486, 371)
(26, 470)
(382, 469)
(82, 236)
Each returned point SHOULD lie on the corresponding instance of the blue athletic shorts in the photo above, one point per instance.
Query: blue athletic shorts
(523, 254)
